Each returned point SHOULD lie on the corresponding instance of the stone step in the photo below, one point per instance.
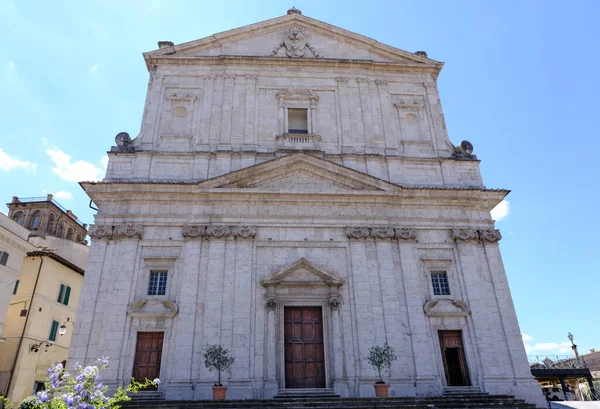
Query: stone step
(468, 401)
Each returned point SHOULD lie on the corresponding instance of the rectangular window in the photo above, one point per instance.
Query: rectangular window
(297, 120)
(158, 283)
(3, 257)
(38, 386)
(53, 330)
(64, 294)
(439, 281)
(16, 286)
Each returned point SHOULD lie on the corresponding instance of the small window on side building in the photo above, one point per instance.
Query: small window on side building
(64, 294)
(53, 330)
(16, 287)
(297, 120)
(439, 282)
(158, 283)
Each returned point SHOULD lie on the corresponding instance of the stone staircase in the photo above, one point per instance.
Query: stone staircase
(327, 399)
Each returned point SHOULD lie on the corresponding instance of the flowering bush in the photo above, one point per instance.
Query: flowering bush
(217, 357)
(30, 402)
(381, 356)
(83, 391)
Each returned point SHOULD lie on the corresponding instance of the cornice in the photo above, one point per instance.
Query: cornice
(56, 257)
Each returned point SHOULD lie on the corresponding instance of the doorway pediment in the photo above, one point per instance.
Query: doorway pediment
(302, 272)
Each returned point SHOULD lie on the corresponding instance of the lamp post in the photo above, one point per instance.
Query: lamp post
(62, 330)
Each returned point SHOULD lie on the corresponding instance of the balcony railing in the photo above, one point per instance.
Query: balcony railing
(555, 362)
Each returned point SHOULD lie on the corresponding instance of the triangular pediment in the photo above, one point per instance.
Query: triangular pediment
(302, 272)
(299, 172)
(292, 36)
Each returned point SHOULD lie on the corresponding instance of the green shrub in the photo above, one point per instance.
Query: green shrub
(30, 402)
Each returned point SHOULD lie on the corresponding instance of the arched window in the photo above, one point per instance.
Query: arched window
(50, 225)
(70, 234)
(34, 220)
(19, 217)
(79, 238)
(59, 230)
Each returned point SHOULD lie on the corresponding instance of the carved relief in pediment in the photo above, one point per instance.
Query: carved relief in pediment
(295, 44)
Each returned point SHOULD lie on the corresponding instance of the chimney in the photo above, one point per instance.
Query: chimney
(15, 199)
(163, 44)
(49, 197)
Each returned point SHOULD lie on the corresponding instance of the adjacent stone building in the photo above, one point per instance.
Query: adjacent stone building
(293, 196)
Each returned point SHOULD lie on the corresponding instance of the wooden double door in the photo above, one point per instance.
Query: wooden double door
(148, 352)
(453, 355)
(304, 349)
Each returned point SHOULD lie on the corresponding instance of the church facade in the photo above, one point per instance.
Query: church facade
(294, 197)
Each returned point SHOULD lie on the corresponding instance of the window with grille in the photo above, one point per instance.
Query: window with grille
(53, 330)
(3, 257)
(64, 294)
(158, 283)
(297, 120)
(439, 281)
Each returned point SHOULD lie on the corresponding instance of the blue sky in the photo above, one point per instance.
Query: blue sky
(520, 83)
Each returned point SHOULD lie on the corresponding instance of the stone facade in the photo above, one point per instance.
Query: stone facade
(352, 215)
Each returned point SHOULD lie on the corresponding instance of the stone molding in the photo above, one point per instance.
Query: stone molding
(385, 232)
(468, 234)
(108, 231)
(218, 231)
(446, 308)
(152, 309)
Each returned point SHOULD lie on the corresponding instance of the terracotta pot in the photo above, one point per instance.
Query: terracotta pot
(381, 390)
(219, 392)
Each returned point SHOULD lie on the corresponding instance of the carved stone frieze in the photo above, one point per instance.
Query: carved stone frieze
(100, 231)
(381, 232)
(218, 231)
(152, 309)
(405, 233)
(193, 230)
(446, 308)
(491, 235)
(108, 231)
(334, 302)
(244, 232)
(468, 234)
(271, 303)
(464, 234)
(128, 230)
(358, 232)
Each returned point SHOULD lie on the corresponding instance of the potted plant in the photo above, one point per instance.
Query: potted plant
(379, 357)
(217, 357)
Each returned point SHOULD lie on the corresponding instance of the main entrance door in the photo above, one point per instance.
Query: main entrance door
(148, 351)
(453, 355)
(304, 353)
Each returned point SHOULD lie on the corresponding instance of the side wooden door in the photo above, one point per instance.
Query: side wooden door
(304, 349)
(148, 352)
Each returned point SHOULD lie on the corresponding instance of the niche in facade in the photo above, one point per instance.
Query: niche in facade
(178, 116)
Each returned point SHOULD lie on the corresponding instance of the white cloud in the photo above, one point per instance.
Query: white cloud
(73, 171)
(526, 338)
(63, 194)
(11, 64)
(94, 69)
(545, 348)
(8, 163)
(501, 210)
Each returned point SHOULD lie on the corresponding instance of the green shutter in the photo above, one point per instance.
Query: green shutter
(61, 293)
(67, 295)
(53, 330)
(16, 286)
(3, 258)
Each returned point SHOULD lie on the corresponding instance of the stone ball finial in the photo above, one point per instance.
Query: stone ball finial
(466, 146)
(294, 10)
